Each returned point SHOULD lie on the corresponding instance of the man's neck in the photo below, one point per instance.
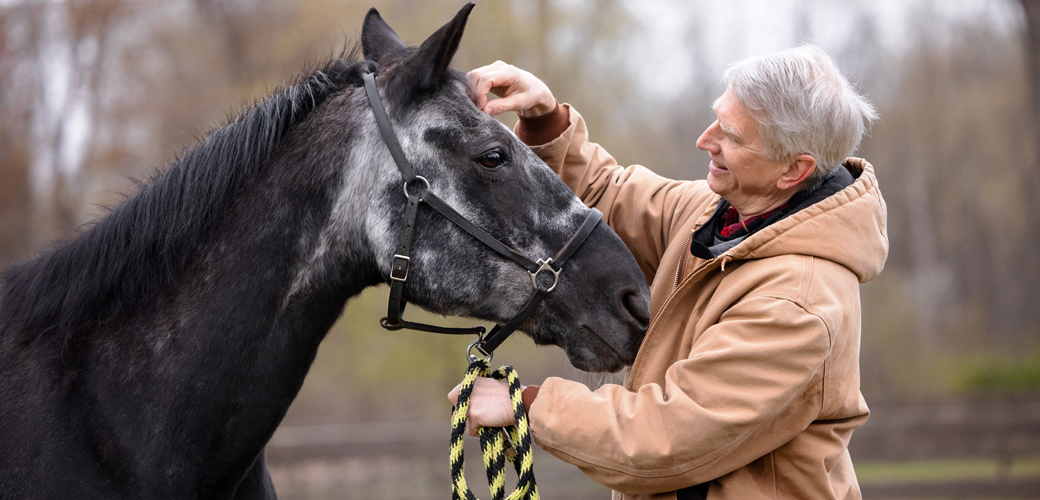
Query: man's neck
(753, 210)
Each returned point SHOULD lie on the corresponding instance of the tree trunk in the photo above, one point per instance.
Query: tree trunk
(1032, 11)
(1031, 266)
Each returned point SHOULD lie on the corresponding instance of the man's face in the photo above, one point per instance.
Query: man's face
(740, 170)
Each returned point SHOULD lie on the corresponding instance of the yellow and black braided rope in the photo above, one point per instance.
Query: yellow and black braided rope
(493, 442)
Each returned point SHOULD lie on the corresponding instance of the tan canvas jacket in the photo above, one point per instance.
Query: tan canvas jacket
(749, 373)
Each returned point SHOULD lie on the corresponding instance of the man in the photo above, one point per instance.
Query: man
(747, 384)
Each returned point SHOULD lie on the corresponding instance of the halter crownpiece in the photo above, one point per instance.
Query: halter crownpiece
(401, 261)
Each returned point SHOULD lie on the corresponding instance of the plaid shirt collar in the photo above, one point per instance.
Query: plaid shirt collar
(732, 227)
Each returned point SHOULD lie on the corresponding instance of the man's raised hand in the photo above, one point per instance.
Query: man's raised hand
(517, 89)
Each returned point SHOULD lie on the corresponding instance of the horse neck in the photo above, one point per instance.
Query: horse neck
(283, 265)
(249, 316)
(294, 252)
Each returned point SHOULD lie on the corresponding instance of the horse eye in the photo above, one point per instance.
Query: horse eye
(491, 159)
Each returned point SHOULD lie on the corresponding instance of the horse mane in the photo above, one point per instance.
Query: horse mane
(145, 241)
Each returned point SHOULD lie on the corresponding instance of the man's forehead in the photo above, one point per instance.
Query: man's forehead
(723, 110)
(724, 103)
(731, 115)
(718, 100)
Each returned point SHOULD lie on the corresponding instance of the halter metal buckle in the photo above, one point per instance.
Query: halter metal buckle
(546, 266)
(399, 267)
(471, 357)
(479, 345)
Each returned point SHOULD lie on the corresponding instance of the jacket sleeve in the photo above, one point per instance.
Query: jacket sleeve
(751, 383)
(643, 208)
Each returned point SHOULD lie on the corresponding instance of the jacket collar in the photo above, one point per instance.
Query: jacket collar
(706, 246)
(828, 223)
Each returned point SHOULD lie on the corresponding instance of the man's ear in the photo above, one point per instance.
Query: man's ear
(796, 172)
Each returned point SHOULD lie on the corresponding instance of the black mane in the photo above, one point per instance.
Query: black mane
(145, 241)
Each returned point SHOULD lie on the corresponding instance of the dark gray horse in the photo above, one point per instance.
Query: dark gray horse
(153, 355)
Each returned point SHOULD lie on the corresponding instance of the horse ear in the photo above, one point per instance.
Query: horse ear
(424, 68)
(377, 37)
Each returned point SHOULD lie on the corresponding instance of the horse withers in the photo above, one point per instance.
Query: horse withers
(153, 355)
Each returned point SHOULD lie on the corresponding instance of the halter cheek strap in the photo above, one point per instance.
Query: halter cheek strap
(417, 189)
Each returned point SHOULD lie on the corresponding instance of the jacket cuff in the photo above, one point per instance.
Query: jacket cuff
(543, 129)
(528, 395)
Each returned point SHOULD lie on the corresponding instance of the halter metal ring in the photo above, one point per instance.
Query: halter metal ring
(477, 343)
(417, 178)
(545, 267)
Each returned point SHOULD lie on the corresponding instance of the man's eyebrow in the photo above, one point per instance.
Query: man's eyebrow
(729, 131)
(726, 129)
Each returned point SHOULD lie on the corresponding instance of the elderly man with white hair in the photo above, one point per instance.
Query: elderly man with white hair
(747, 383)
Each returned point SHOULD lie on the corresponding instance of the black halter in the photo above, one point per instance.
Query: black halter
(401, 259)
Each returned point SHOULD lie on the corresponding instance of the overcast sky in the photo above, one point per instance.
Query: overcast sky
(688, 41)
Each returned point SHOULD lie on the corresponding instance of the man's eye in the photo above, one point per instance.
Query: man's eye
(491, 159)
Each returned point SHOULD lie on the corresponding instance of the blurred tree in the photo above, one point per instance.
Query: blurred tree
(1032, 41)
(53, 55)
(14, 150)
(953, 152)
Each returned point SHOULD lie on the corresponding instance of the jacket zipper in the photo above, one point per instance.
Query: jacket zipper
(682, 259)
(703, 269)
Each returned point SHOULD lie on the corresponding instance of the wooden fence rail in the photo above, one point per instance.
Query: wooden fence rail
(1002, 431)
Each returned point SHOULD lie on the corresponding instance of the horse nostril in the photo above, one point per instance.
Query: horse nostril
(637, 307)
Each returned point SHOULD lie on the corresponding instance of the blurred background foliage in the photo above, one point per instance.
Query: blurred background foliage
(96, 93)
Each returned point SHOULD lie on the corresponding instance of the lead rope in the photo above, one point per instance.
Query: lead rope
(492, 441)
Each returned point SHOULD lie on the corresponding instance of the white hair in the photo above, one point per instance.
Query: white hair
(803, 105)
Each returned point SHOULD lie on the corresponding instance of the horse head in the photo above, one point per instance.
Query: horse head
(599, 311)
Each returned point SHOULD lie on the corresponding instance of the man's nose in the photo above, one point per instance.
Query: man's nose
(706, 142)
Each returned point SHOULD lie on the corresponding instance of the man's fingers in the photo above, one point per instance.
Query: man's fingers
(453, 396)
(483, 80)
(504, 81)
(481, 87)
(517, 89)
(498, 82)
(513, 96)
(489, 405)
(515, 102)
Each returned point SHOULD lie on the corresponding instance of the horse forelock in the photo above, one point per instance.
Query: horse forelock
(142, 244)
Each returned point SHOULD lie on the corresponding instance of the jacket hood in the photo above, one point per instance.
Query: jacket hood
(848, 228)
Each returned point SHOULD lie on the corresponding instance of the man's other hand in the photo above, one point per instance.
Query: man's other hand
(489, 405)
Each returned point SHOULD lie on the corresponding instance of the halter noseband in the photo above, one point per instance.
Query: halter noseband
(402, 259)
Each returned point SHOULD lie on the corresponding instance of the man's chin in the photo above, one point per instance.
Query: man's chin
(715, 185)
